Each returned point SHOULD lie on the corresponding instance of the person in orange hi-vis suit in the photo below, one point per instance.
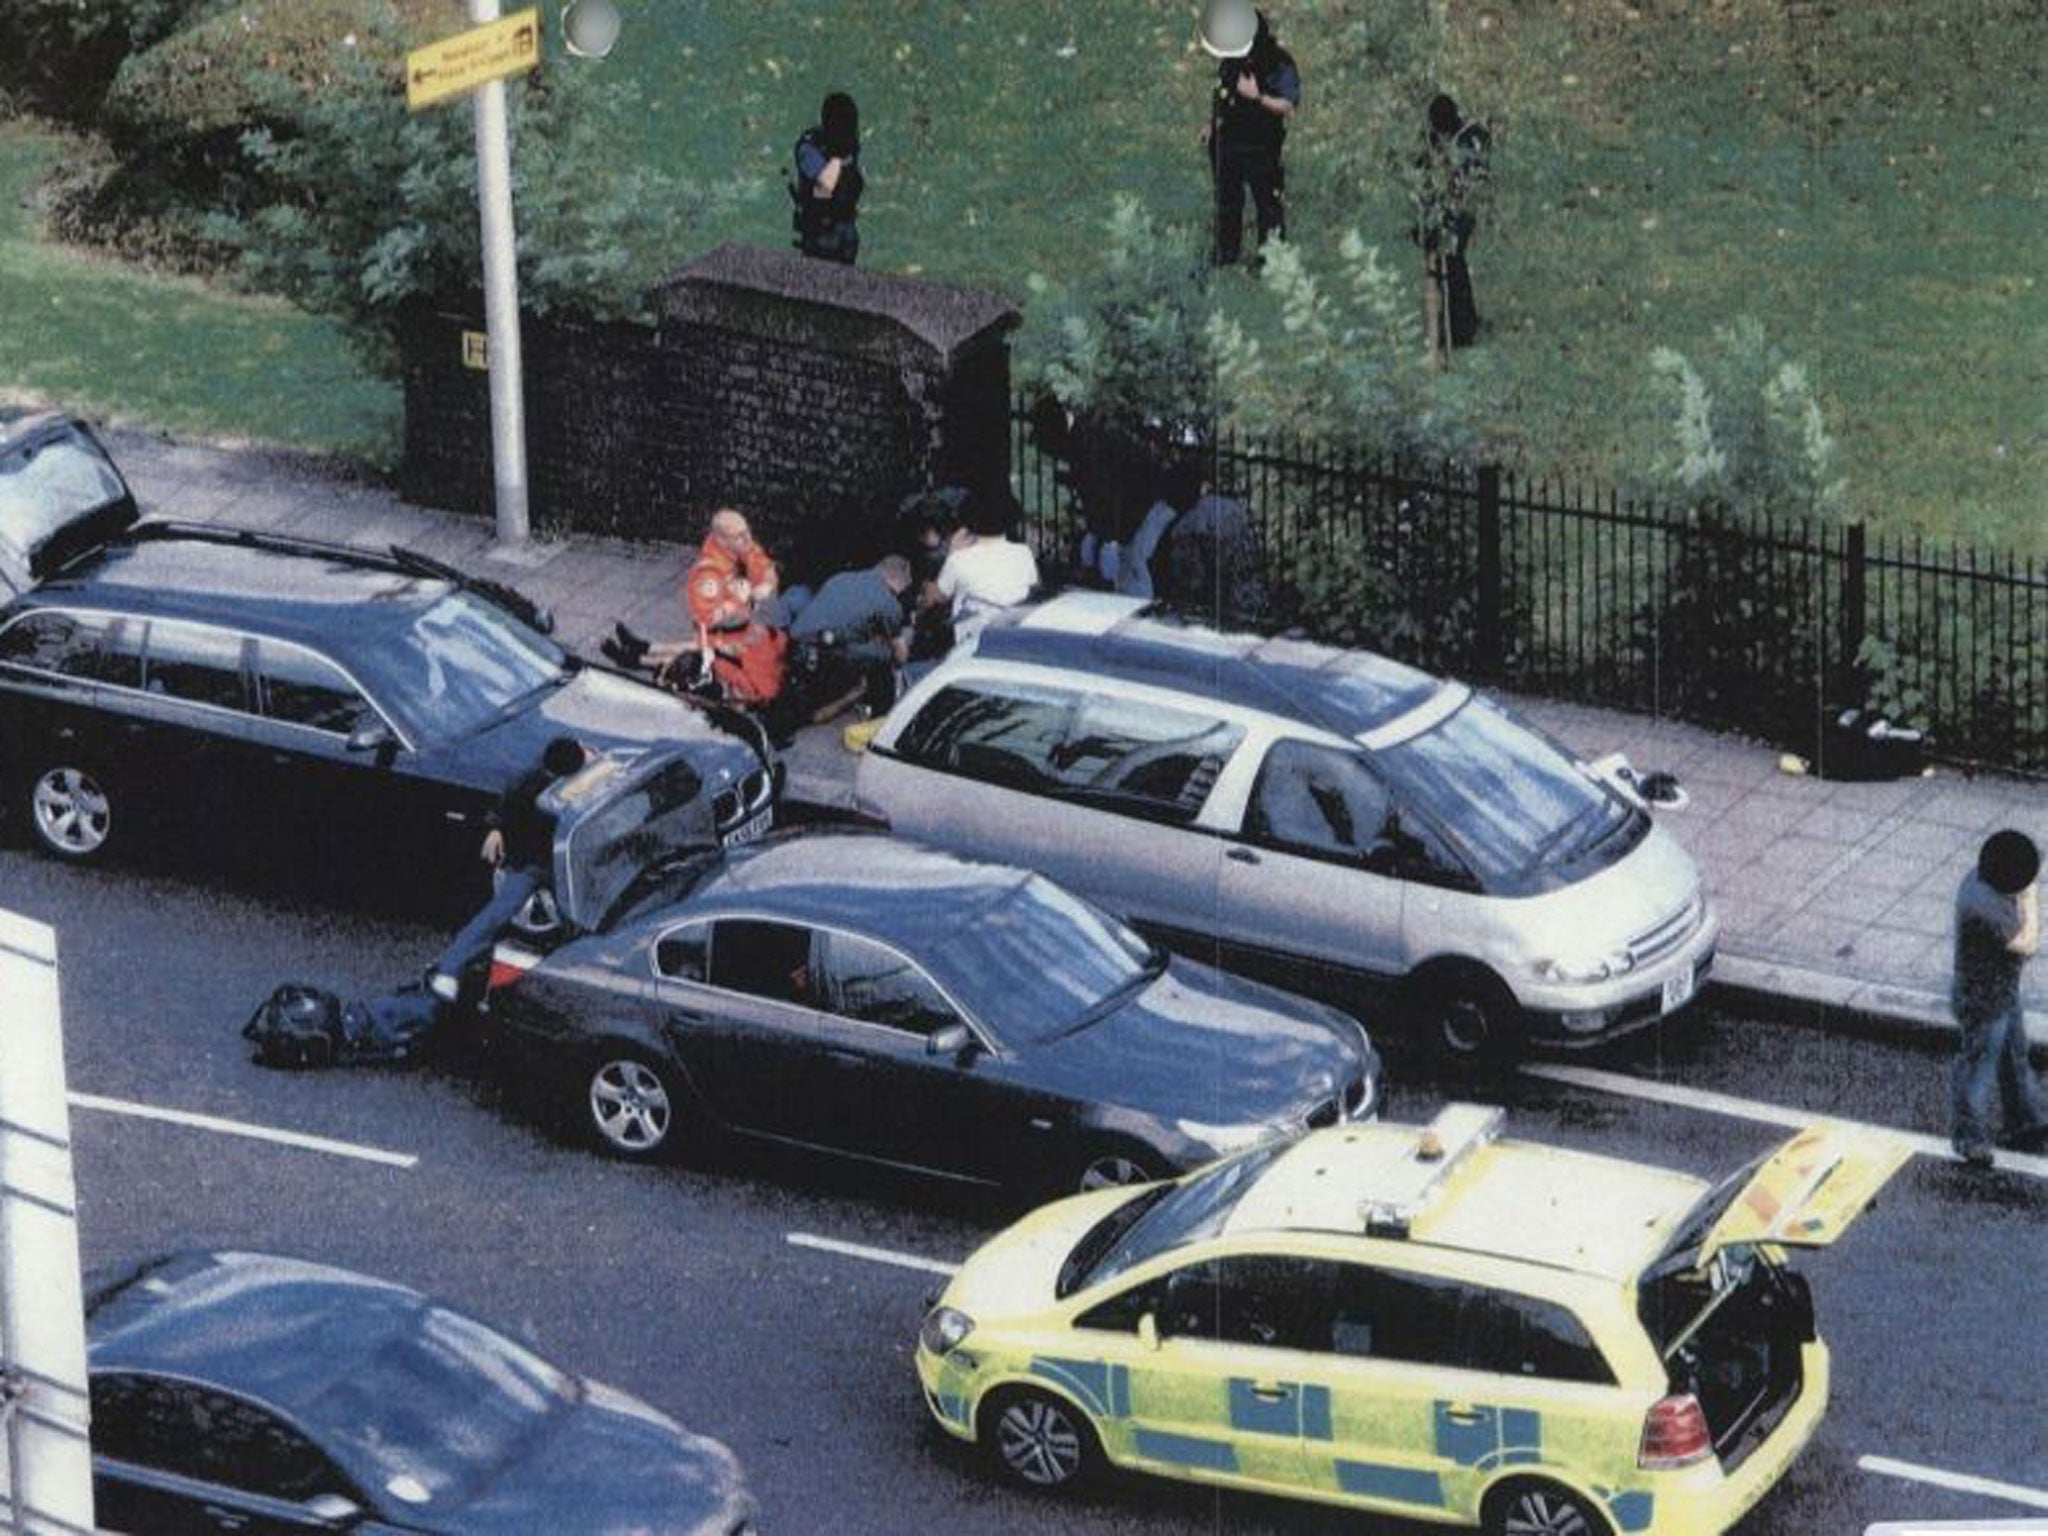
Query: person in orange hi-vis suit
(730, 576)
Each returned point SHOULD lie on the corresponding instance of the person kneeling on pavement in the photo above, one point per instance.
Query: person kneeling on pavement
(302, 1026)
(850, 640)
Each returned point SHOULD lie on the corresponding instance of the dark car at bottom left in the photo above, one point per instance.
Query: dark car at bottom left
(264, 1395)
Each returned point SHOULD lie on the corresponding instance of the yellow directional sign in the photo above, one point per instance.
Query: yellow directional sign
(461, 63)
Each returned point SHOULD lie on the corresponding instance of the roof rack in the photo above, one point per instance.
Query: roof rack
(1440, 1147)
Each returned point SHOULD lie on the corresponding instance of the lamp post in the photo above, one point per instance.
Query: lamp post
(501, 300)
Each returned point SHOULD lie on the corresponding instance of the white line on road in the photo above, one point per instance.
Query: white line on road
(1768, 1114)
(297, 1139)
(1960, 1482)
(872, 1255)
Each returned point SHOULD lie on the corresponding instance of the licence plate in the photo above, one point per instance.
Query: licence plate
(756, 826)
(1678, 990)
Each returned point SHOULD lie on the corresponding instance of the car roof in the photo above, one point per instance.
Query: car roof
(295, 590)
(1514, 1200)
(895, 890)
(277, 1330)
(1101, 634)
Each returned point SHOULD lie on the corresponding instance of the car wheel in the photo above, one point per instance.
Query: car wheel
(631, 1100)
(1468, 1023)
(1530, 1508)
(1039, 1441)
(71, 811)
(1111, 1167)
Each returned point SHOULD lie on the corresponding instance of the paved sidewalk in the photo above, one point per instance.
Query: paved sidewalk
(1833, 896)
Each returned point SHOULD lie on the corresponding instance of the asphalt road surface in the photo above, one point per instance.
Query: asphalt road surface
(717, 1292)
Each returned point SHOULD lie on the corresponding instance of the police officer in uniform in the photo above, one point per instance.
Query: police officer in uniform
(828, 183)
(1257, 89)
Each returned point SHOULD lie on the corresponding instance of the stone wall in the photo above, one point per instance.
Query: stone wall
(813, 397)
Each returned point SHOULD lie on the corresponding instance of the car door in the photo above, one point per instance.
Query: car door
(172, 1457)
(1224, 1392)
(750, 1034)
(193, 723)
(1308, 889)
(54, 710)
(914, 1081)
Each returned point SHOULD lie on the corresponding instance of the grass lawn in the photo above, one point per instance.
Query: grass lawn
(170, 352)
(1870, 181)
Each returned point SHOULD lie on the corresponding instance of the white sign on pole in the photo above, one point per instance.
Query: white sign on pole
(45, 1458)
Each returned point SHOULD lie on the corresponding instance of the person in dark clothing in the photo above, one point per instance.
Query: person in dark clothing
(1256, 93)
(828, 183)
(1998, 929)
(852, 637)
(1452, 171)
(520, 848)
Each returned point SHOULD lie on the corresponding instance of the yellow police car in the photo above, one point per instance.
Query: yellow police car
(1426, 1321)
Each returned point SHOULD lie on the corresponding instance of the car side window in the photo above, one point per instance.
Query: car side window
(860, 979)
(1318, 801)
(999, 732)
(1378, 1315)
(763, 959)
(1121, 1312)
(304, 689)
(1512, 1335)
(195, 662)
(194, 1431)
(1270, 1301)
(684, 954)
(1158, 758)
(87, 646)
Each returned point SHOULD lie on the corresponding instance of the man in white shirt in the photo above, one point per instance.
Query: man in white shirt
(985, 572)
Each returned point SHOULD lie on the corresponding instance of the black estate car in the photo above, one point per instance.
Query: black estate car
(308, 700)
(244, 1392)
(874, 998)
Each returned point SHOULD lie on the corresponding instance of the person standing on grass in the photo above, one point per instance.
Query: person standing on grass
(1256, 93)
(1998, 929)
(829, 183)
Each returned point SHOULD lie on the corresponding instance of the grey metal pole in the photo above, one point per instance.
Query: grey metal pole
(45, 1460)
(501, 299)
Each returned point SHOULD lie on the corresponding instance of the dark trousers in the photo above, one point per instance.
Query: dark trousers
(1255, 168)
(473, 943)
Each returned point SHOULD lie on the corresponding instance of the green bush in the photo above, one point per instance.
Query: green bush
(60, 56)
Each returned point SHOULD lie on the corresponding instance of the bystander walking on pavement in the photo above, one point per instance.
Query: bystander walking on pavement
(1998, 929)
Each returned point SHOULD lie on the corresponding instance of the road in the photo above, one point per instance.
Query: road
(698, 1287)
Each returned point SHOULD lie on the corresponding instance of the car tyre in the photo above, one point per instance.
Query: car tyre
(1111, 1167)
(1038, 1441)
(1468, 1021)
(1532, 1507)
(71, 811)
(632, 1104)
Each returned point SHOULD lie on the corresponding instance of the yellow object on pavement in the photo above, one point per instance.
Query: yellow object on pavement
(859, 734)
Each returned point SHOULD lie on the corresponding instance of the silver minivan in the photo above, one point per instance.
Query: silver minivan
(1335, 821)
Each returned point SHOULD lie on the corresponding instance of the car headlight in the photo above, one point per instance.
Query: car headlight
(1227, 1138)
(945, 1330)
(1580, 970)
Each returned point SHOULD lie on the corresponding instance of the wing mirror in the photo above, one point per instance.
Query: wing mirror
(949, 1040)
(333, 1510)
(1148, 1331)
(374, 737)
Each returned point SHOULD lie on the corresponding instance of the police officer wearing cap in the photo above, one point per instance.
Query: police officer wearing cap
(1258, 88)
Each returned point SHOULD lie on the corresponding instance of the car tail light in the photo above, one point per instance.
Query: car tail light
(508, 965)
(1675, 1434)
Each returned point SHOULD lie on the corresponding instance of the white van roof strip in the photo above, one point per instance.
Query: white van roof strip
(1082, 613)
(1434, 710)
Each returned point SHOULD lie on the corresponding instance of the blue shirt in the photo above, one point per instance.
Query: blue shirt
(856, 607)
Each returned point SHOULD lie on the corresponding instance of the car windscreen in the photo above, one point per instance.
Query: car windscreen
(1041, 962)
(1512, 803)
(1191, 1211)
(457, 666)
(48, 483)
(436, 1409)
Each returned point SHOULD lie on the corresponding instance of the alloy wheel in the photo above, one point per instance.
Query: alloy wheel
(1113, 1169)
(629, 1105)
(1039, 1442)
(1546, 1512)
(72, 813)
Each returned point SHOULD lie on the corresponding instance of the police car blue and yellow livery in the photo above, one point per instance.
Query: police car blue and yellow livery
(1425, 1321)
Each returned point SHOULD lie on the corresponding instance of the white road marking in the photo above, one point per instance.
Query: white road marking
(1768, 1114)
(1959, 1482)
(872, 1255)
(297, 1139)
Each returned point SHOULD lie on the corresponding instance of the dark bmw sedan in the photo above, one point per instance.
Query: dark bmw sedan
(243, 1392)
(882, 1000)
(310, 702)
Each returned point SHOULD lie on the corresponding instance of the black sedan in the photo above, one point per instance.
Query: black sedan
(244, 1392)
(879, 999)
